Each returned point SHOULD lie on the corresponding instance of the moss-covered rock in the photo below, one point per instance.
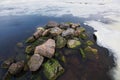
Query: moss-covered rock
(91, 50)
(82, 53)
(30, 40)
(60, 42)
(73, 43)
(29, 49)
(52, 69)
(83, 36)
(89, 43)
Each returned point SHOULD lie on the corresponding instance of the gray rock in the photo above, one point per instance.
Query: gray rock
(47, 49)
(46, 32)
(74, 26)
(68, 32)
(16, 67)
(64, 26)
(55, 31)
(60, 42)
(35, 62)
(73, 43)
(38, 33)
(52, 24)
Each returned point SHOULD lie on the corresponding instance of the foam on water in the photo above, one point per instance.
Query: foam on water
(108, 36)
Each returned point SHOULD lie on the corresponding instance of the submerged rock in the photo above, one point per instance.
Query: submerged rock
(60, 42)
(35, 62)
(68, 32)
(47, 49)
(7, 63)
(16, 68)
(55, 31)
(52, 69)
(73, 43)
(29, 49)
(90, 49)
(52, 24)
(19, 44)
(89, 43)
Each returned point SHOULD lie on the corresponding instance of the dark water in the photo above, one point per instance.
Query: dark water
(14, 29)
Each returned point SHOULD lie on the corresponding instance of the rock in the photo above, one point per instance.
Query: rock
(64, 26)
(55, 31)
(47, 49)
(82, 53)
(68, 32)
(30, 40)
(29, 49)
(16, 68)
(73, 43)
(20, 44)
(60, 42)
(79, 30)
(52, 69)
(89, 43)
(52, 24)
(40, 28)
(7, 63)
(38, 33)
(91, 50)
(74, 26)
(83, 36)
(46, 32)
(35, 62)
(95, 37)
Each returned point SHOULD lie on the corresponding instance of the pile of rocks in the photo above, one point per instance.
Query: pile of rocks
(43, 43)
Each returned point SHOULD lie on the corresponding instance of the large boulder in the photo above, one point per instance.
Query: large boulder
(16, 68)
(47, 49)
(68, 32)
(55, 31)
(73, 43)
(46, 32)
(60, 42)
(52, 24)
(38, 33)
(35, 62)
(52, 69)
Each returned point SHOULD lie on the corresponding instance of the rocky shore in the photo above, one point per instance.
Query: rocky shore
(48, 49)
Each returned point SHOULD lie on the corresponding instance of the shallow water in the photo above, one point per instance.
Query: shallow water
(14, 29)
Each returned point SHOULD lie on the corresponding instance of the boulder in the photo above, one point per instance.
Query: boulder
(38, 33)
(7, 63)
(55, 31)
(52, 69)
(91, 50)
(73, 43)
(47, 49)
(89, 43)
(30, 40)
(52, 24)
(35, 62)
(79, 30)
(29, 49)
(46, 32)
(16, 68)
(74, 26)
(64, 26)
(68, 32)
(60, 42)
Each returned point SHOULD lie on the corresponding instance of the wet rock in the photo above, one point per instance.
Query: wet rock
(35, 62)
(20, 44)
(82, 53)
(30, 40)
(73, 43)
(74, 26)
(46, 32)
(89, 43)
(52, 24)
(47, 49)
(94, 37)
(79, 30)
(29, 49)
(64, 26)
(16, 68)
(38, 33)
(55, 31)
(83, 36)
(68, 32)
(60, 42)
(91, 50)
(7, 63)
(52, 69)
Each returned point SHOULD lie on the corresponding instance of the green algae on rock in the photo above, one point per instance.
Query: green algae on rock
(52, 69)
(73, 43)
(89, 43)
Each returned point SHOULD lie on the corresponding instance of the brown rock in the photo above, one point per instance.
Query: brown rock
(47, 49)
